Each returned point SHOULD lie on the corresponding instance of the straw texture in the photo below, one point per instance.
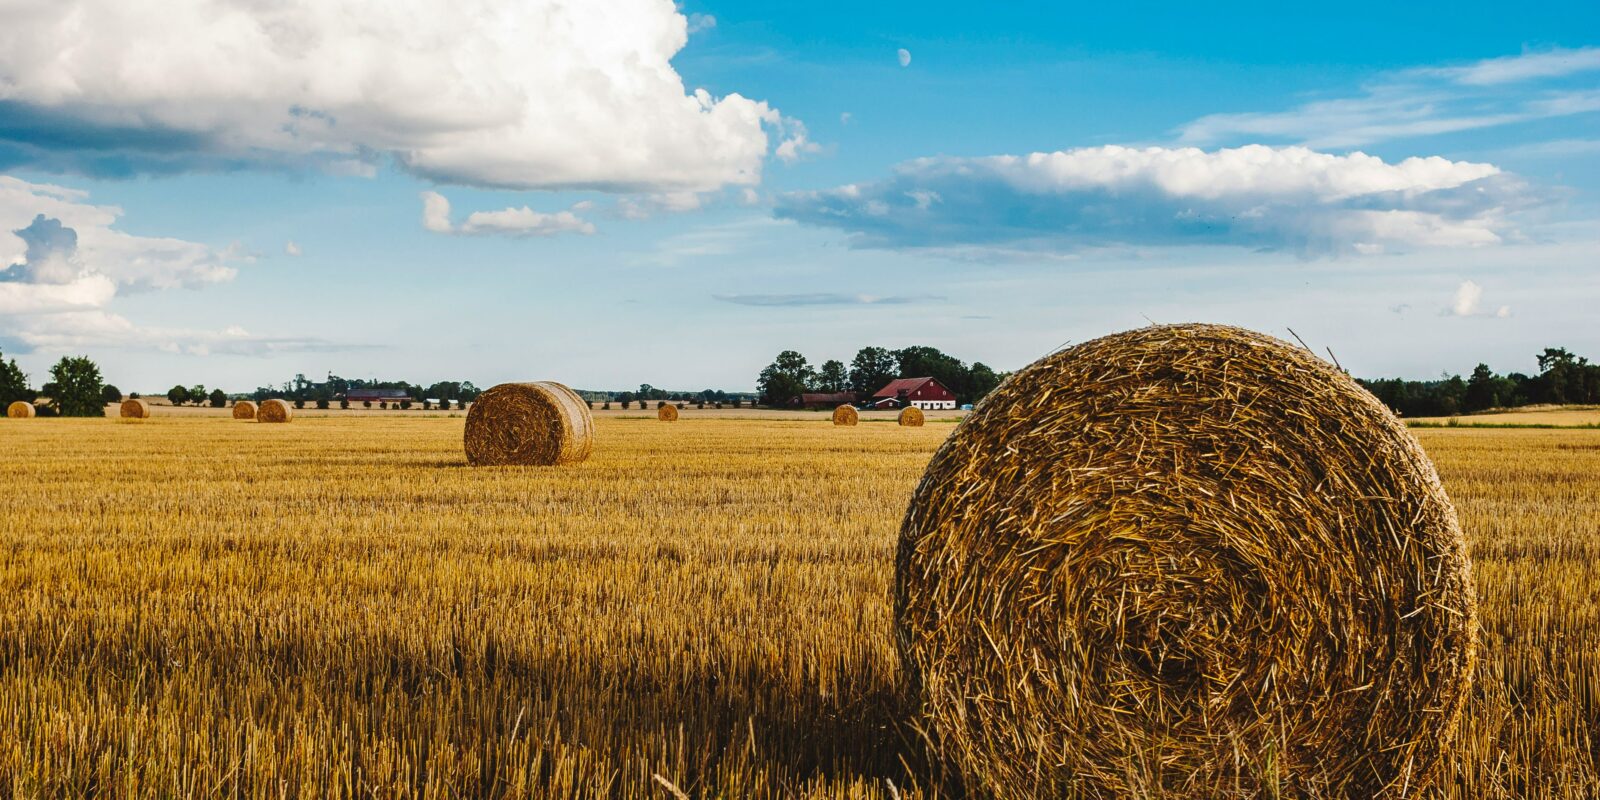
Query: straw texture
(244, 409)
(20, 409)
(134, 408)
(1185, 562)
(667, 413)
(275, 410)
(845, 415)
(541, 424)
(911, 417)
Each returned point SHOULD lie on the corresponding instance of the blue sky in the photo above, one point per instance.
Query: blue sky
(1413, 187)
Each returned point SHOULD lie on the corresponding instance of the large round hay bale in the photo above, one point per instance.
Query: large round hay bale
(244, 409)
(20, 409)
(845, 415)
(135, 408)
(275, 410)
(1185, 561)
(911, 417)
(667, 413)
(542, 424)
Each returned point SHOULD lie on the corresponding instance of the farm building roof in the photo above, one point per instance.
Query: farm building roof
(895, 387)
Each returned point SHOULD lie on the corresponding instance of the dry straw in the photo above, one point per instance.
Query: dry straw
(274, 410)
(845, 415)
(667, 413)
(1185, 561)
(911, 417)
(542, 424)
(135, 408)
(20, 409)
(244, 409)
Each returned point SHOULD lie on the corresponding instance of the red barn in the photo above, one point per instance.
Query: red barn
(924, 393)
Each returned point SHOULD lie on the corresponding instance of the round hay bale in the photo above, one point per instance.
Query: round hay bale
(540, 424)
(275, 410)
(911, 417)
(667, 413)
(845, 415)
(244, 409)
(1185, 561)
(20, 409)
(135, 408)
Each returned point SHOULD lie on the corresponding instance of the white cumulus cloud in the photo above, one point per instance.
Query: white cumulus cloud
(1468, 302)
(1287, 198)
(291, 249)
(63, 264)
(541, 94)
(522, 221)
(51, 235)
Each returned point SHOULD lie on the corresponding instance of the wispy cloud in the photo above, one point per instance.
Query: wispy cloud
(1420, 102)
(822, 299)
(99, 329)
(1533, 65)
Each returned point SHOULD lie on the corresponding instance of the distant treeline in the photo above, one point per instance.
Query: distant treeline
(1563, 378)
(336, 387)
(790, 374)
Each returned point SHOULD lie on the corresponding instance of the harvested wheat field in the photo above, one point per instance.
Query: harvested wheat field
(342, 607)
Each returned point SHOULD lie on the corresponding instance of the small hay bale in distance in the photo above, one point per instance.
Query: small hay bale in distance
(20, 409)
(667, 413)
(911, 417)
(846, 415)
(135, 408)
(244, 409)
(275, 410)
(536, 424)
(1186, 561)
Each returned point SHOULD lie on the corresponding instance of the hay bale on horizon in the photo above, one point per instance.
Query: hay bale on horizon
(244, 409)
(275, 410)
(1185, 561)
(135, 408)
(21, 409)
(911, 417)
(846, 415)
(540, 424)
(667, 412)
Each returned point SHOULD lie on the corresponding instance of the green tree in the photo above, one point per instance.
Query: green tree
(79, 391)
(982, 380)
(178, 395)
(197, 393)
(217, 398)
(1483, 390)
(13, 384)
(832, 377)
(110, 395)
(785, 378)
(929, 362)
(871, 369)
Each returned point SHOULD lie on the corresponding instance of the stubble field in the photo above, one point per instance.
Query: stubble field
(340, 607)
